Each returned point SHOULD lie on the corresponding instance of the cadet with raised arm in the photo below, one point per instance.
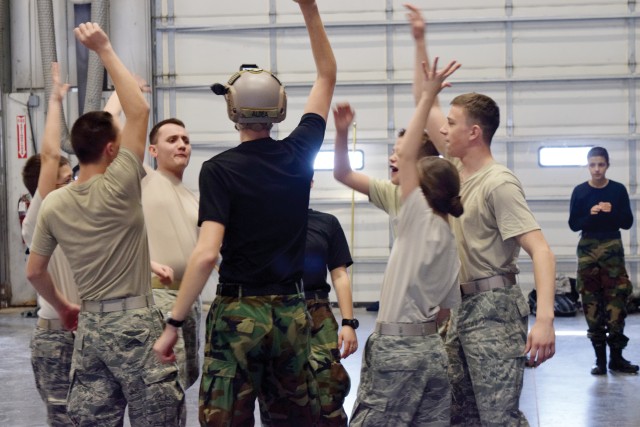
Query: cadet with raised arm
(404, 370)
(99, 224)
(51, 343)
(253, 211)
(487, 341)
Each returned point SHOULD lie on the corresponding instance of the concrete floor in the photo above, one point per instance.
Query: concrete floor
(559, 393)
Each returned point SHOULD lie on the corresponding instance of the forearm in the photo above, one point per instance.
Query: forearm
(341, 163)
(323, 56)
(544, 273)
(409, 146)
(418, 74)
(51, 141)
(196, 275)
(342, 286)
(50, 150)
(129, 95)
(342, 170)
(43, 284)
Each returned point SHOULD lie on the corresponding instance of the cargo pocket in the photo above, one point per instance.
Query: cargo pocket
(216, 391)
(163, 403)
(523, 307)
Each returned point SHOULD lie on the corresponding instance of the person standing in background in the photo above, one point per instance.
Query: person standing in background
(599, 208)
(171, 216)
(51, 343)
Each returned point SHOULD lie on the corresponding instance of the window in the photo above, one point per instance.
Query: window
(324, 160)
(563, 156)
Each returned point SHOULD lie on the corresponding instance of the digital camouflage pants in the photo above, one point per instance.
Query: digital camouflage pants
(188, 346)
(403, 383)
(485, 345)
(51, 352)
(114, 367)
(604, 286)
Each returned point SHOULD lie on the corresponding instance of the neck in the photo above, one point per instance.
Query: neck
(89, 170)
(174, 173)
(250, 134)
(599, 183)
(473, 161)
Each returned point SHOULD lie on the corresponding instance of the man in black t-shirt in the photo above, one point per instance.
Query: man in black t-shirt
(327, 249)
(253, 211)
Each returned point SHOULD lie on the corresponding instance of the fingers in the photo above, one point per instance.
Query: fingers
(411, 7)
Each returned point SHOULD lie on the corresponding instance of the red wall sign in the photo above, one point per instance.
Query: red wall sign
(21, 125)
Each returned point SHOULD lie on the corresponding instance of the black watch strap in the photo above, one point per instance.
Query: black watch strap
(173, 322)
(351, 322)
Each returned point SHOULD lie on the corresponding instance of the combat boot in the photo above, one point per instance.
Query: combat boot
(600, 368)
(620, 364)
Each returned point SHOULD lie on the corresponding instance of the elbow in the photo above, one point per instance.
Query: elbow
(34, 273)
(339, 174)
(206, 260)
(141, 111)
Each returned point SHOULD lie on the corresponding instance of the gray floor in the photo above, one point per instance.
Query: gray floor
(559, 393)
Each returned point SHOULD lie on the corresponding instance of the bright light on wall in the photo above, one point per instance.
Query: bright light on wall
(324, 160)
(563, 156)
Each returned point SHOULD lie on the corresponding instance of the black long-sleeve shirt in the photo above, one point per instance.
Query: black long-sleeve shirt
(584, 197)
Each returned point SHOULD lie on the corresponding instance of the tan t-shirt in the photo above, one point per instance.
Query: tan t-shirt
(171, 215)
(386, 195)
(422, 272)
(100, 226)
(58, 268)
(495, 211)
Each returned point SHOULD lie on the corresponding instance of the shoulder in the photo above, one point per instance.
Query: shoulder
(322, 217)
(618, 185)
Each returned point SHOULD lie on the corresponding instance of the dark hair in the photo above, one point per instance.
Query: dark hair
(31, 171)
(599, 152)
(440, 183)
(481, 110)
(153, 135)
(91, 133)
(427, 148)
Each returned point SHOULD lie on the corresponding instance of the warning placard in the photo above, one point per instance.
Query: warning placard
(21, 124)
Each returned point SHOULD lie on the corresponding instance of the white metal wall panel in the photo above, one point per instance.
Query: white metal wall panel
(563, 73)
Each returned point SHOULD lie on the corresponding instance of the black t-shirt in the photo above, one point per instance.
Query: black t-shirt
(259, 191)
(584, 197)
(326, 248)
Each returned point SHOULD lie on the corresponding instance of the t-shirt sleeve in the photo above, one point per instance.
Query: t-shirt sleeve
(215, 202)
(308, 135)
(338, 248)
(30, 220)
(511, 211)
(383, 194)
(124, 174)
(43, 243)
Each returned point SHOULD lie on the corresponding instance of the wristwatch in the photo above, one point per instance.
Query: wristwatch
(173, 322)
(351, 322)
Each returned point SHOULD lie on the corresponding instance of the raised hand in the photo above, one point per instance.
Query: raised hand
(59, 89)
(343, 116)
(434, 79)
(92, 36)
(414, 16)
